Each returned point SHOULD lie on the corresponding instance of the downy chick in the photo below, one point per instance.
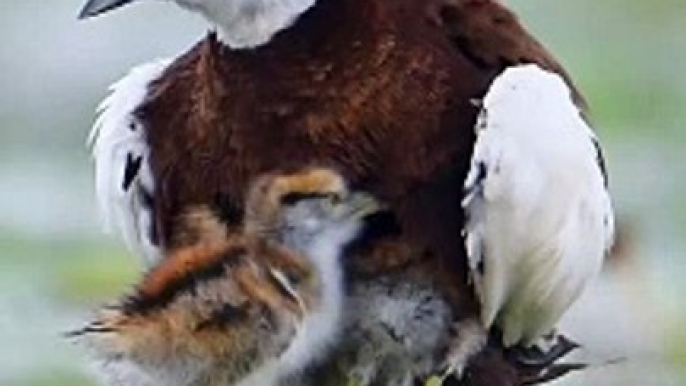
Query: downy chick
(248, 310)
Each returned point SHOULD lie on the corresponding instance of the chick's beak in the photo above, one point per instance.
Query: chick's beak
(359, 205)
(96, 7)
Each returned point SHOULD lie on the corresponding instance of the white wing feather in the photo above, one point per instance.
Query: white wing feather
(117, 138)
(539, 217)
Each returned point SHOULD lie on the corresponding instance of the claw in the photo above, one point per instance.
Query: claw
(559, 370)
(447, 372)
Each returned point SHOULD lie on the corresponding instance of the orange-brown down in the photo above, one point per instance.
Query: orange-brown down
(214, 312)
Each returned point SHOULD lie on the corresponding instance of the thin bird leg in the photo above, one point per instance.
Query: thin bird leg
(469, 339)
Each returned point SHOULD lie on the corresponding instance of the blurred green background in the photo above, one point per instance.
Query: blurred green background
(629, 56)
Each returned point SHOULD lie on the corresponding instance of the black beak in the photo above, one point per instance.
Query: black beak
(96, 7)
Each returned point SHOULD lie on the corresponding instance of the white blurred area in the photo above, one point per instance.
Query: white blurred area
(628, 58)
(55, 70)
(622, 326)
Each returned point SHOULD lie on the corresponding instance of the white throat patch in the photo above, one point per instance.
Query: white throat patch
(248, 23)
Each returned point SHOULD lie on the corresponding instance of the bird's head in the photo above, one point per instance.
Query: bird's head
(241, 23)
(307, 207)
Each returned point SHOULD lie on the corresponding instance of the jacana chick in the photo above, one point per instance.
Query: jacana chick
(248, 310)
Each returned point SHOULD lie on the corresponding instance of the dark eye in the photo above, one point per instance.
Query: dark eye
(295, 197)
(335, 198)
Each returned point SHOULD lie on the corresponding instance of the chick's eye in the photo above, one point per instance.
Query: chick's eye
(335, 198)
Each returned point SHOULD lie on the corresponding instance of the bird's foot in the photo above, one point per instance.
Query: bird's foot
(545, 353)
(540, 362)
(468, 340)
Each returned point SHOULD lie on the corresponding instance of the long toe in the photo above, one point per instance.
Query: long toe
(553, 373)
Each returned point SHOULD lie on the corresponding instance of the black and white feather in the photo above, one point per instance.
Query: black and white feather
(124, 183)
(539, 217)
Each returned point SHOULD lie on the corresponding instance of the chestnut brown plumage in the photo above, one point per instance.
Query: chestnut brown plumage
(386, 99)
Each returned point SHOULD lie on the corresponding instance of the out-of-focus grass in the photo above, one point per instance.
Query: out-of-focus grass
(638, 112)
(53, 281)
(78, 271)
(676, 345)
(88, 279)
(54, 380)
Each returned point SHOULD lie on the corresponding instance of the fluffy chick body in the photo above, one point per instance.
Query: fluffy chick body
(249, 309)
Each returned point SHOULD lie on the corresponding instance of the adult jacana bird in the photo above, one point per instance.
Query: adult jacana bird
(447, 110)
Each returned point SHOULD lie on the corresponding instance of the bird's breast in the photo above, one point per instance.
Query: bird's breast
(384, 98)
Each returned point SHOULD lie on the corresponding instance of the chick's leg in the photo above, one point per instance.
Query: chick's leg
(469, 338)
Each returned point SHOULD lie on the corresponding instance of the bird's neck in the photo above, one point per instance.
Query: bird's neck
(244, 24)
(326, 257)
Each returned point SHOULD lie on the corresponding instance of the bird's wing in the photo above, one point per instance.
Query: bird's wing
(124, 183)
(539, 218)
